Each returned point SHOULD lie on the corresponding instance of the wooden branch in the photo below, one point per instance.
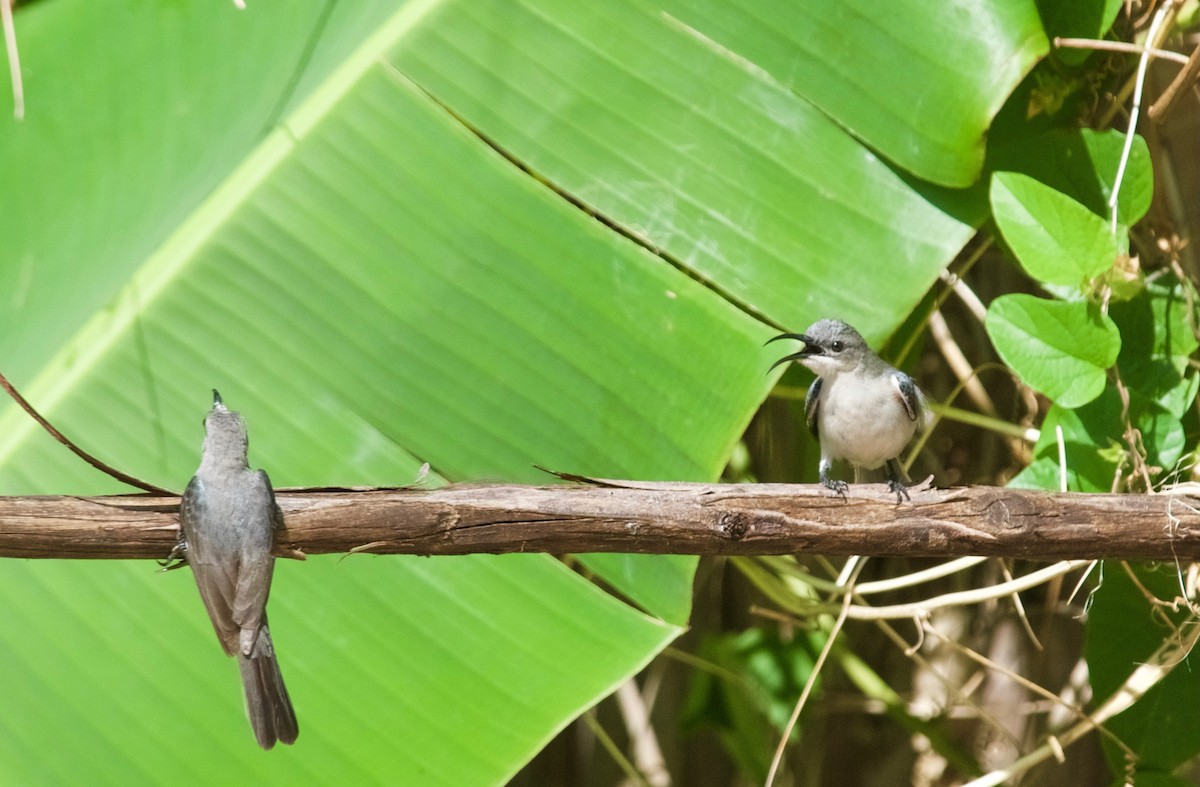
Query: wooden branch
(674, 518)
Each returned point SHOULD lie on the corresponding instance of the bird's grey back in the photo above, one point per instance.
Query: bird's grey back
(228, 516)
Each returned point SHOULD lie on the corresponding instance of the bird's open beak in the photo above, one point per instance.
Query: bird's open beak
(811, 348)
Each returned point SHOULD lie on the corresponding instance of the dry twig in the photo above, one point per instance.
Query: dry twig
(642, 517)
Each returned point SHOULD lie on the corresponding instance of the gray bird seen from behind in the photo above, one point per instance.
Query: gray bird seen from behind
(229, 517)
(862, 409)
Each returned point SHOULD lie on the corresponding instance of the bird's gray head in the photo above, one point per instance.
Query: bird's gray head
(831, 347)
(225, 440)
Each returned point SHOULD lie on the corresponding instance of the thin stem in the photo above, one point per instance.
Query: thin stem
(124, 478)
(964, 597)
(614, 751)
(1165, 11)
(1119, 46)
(816, 670)
(956, 359)
(973, 418)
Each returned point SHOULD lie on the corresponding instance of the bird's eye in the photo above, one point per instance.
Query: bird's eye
(837, 347)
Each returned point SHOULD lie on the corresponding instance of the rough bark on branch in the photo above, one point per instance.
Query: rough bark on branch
(675, 518)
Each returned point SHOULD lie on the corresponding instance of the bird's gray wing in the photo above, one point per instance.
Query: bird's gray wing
(214, 570)
(909, 396)
(812, 401)
(257, 563)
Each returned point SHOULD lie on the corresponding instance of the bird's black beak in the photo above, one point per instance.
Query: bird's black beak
(217, 398)
(811, 348)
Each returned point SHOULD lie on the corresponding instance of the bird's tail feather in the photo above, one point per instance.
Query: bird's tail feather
(267, 701)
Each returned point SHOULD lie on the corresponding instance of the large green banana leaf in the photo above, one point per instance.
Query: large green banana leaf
(481, 235)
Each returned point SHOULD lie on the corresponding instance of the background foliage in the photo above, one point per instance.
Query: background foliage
(485, 235)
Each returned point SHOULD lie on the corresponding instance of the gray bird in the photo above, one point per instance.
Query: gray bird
(861, 409)
(228, 517)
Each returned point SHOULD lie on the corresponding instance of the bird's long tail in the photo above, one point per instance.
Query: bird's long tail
(267, 701)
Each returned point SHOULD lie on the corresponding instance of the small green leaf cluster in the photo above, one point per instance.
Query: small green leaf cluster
(1110, 346)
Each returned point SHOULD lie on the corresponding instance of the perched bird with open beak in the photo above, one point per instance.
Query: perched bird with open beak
(228, 517)
(862, 409)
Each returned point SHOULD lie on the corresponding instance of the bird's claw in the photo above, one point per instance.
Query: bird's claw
(176, 558)
(900, 489)
(839, 488)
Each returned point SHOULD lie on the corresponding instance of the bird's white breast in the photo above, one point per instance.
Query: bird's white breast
(871, 426)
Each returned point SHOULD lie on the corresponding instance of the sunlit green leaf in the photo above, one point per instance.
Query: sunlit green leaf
(1095, 441)
(1056, 239)
(694, 150)
(937, 77)
(1156, 342)
(1061, 349)
(1082, 164)
(479, 235)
